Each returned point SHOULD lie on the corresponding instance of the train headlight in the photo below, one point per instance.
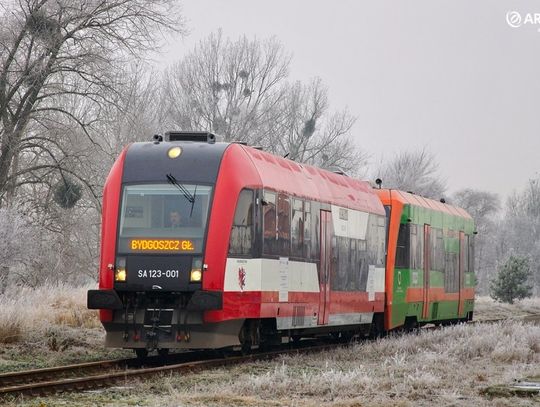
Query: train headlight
(120, 273)
(195, 276)
(196, 270)
(174, 152)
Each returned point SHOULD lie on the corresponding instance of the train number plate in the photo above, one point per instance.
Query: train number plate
(156, 273)
(169, 273)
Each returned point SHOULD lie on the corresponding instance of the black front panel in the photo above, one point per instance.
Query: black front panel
(158, 273)
(197, 163)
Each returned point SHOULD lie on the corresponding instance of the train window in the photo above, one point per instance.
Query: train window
(354, 268)
(471, 254)
(437, 250)
(284, 224)
(388, 212)
(297, 228)
(270, 215)
(417, 247)
(156, 211)
(342, 267)
(414, 245)
(451, 273)
(362, 265)
(403, 246)
(465, 255)
(381, 241)
(315, 230)
(242, 234)
(307, 230)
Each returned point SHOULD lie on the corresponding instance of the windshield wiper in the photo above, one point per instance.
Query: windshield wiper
(193, 202)
(183, 189)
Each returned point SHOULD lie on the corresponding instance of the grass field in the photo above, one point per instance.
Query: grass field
(454, 366)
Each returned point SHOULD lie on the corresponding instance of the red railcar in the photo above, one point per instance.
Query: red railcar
(208, 245)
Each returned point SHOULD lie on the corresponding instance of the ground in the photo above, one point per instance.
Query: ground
(453, 366)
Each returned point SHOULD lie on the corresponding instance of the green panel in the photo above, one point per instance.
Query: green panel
(420, 216)
(405, 278)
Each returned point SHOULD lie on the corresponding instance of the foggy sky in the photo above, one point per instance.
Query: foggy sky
(451, 76)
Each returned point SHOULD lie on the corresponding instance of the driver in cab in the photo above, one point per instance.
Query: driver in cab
(175, 219)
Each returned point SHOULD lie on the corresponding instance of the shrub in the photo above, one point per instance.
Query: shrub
(510, 284)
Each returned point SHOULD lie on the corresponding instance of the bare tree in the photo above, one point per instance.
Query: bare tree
(484, 207)
(308, 132)
(519, 233)
(227, 87)
(415, 171)
(56, 50)
(239, 90)
(16, 242)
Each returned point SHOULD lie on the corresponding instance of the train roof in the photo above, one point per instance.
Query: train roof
(307, 181)
(407, 198)
(200, 162)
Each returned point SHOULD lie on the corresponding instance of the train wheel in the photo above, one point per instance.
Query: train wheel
(141, 353)
(163, 352)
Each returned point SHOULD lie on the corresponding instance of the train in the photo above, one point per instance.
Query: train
(214, 245)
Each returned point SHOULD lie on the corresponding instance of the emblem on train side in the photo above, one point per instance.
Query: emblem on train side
(241, 278)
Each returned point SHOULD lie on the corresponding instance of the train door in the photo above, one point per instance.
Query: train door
(462, 260)
(427, 266)
(326, 264)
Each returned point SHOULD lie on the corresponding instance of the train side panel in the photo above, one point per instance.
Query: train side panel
(430, 276)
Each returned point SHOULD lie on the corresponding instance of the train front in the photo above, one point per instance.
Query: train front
(156, 208)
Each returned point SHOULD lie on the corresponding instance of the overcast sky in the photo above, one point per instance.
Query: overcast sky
(451, 76)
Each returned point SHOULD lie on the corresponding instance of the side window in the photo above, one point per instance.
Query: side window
(437, 250)
(308, 236)
(381, 239)
(297, 229)
(242, 234)
(451, 272)
(315, 230)
(270, 231)
(284, 225)
(388, 211)
(375, 240)
(403, 246)
(414, 246)
(471, 254)
(417, 247)
(342, 269)
(465, 254)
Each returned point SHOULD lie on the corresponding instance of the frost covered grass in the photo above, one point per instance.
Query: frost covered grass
(446, 367)
(47, 326)
(449, 366)
(25, 312)
(487, 308)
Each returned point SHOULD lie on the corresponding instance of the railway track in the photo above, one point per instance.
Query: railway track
(84, 376)
(95, 375)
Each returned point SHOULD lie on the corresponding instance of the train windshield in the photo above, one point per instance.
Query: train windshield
(163, 218)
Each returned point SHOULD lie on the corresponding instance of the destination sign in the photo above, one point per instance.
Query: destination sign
(166, 245)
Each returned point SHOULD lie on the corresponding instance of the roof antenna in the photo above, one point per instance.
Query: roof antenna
(378, 181)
